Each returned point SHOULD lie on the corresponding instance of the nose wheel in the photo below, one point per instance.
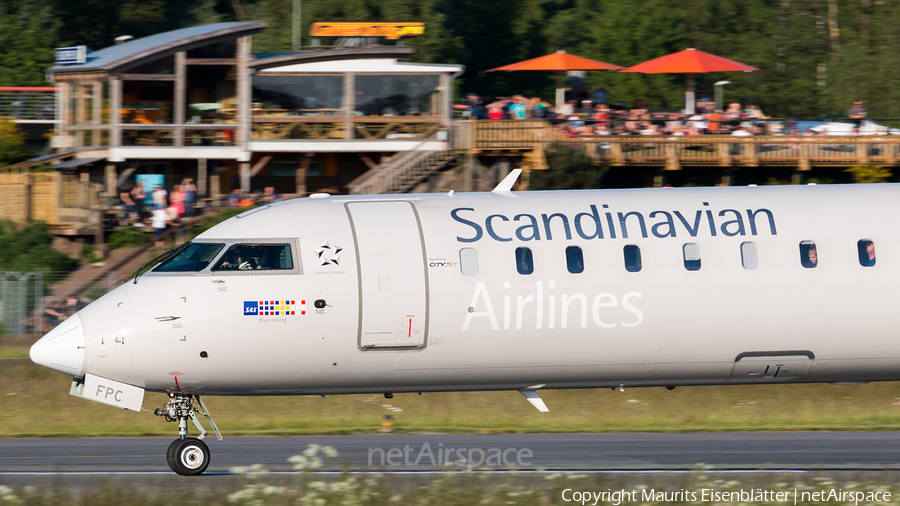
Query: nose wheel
(187, 456)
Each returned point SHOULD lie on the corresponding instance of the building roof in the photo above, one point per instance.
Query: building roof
(134, 51)
(262, 62)
(367, 65)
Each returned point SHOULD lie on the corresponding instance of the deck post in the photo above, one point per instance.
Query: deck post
(97, 103)
(180, 81)
(201, 177)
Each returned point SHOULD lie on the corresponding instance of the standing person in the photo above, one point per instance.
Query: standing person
(476, 107)
(600, 95)
(73, 305)
(159, 195)
(566, 110)
(715, 121)
(129, 208)
(52, 315)
(234, 199)
(517, 108)
(159, 220)
(495, 110)
(586, 109)
(138, 196)
(190, 196)
(176, 200)
(858, 112)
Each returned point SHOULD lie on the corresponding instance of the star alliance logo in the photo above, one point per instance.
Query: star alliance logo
(329, 254)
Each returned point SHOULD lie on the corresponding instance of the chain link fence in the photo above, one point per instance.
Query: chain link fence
(20, 302)
(27, 306)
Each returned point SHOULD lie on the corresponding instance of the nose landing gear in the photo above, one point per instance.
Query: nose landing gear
(187, 456)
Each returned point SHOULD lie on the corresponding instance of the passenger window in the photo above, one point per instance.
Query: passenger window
(866, 252)
(749, 255)
(524, 261)
(809, 255)
(632, 258)
(691, 253)
(246, 257)
(574, 260)
(468, 262)
(194, 258)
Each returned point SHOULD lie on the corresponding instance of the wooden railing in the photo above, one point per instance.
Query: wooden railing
(343, 128)
(488, 136)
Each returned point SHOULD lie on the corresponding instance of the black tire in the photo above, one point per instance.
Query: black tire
(191, 457)
(170, 455)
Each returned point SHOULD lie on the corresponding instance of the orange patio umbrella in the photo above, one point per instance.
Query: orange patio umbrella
(558, 62)
(690, 62)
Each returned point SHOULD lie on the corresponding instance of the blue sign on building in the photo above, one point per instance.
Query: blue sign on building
(71, 55)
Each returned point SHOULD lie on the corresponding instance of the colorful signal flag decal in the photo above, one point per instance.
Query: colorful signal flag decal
(274, 307)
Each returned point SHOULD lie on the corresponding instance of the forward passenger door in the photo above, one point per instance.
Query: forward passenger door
(393, 284)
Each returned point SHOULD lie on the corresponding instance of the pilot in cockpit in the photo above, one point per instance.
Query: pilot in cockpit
(234, 261)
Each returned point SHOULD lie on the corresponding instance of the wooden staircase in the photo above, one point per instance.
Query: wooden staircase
(401, 172)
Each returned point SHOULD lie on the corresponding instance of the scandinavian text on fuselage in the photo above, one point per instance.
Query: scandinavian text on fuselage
(594, 224)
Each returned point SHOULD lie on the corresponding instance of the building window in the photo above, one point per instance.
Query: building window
(468, 262)
(749, 255)
(574, 260)
(524, 261)
(809, 255)
(298, 95)
(148, 102)
(632, 258)
(691, 253)
(866, 249)
(399, 95)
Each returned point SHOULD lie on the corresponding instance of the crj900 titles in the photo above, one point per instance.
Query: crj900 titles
(594, 224)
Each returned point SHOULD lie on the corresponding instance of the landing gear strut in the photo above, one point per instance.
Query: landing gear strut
(187, 456)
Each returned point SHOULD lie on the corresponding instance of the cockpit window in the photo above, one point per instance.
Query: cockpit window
(194, 258)
(246, 257)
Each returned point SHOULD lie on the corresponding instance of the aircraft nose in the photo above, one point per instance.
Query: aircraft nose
(62, 349)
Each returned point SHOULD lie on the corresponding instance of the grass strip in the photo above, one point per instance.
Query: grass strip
(34, 402)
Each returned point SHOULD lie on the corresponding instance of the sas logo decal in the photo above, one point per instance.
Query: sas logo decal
(273, 307)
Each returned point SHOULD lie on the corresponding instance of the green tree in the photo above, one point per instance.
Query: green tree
(568, 168)
(28, 249)
(12, 143)
(27, 37)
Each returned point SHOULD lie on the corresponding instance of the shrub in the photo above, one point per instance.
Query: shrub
(869, 174)
(12, 143)
(29, 248)
(568, 168)
(127, 237)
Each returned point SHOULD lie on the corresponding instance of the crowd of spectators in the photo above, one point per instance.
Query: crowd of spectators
(592, 115)
(595, 117)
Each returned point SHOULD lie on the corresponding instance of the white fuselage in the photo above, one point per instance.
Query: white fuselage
(403, 310)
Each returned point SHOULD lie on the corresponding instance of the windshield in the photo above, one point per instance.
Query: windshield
(256, 257)
(194, 258)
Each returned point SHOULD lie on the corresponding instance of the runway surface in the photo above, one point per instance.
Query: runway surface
(534, 452)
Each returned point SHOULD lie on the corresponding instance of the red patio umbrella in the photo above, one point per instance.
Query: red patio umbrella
(690, 62)
(558, 62)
